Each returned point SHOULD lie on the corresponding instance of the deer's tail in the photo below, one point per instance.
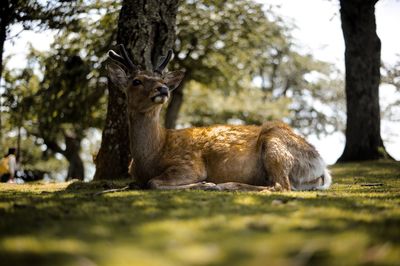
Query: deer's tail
(327, 180)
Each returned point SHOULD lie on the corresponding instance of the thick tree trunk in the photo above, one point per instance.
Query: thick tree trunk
(147, 29)
(362, 61)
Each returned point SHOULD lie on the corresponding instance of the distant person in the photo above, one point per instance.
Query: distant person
(8, 166)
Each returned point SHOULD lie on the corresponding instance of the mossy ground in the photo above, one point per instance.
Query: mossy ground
(357, 221)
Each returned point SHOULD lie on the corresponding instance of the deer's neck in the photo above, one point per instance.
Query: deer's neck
(147, 137)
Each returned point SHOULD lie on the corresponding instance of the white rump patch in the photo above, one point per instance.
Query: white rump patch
(306, 172)
(327, 180)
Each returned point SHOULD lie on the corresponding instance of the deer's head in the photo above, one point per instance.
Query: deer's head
(145, 90)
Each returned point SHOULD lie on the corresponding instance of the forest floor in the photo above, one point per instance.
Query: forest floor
(356, 222)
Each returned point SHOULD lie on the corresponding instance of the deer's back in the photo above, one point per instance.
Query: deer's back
(228, 153)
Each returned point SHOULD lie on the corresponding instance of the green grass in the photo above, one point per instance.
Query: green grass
(357, 221)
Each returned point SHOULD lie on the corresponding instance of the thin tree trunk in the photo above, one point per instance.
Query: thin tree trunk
(76, 168)
(362, 61)
(19, 143)
(2, 41)
(171, 116)
(3, 32)
(147, 29)
(3, 35)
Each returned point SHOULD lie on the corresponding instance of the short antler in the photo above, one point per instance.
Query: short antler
(164, 62)
(126, 56)
(124, 59)
(116, 57)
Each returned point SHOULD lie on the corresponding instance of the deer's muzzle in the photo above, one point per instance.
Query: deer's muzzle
(162, 96)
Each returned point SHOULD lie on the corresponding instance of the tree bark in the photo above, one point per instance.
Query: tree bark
(4, 21)
(171, 116)
(76, 168)
(3, 35)
(147, 29)
(362, 62)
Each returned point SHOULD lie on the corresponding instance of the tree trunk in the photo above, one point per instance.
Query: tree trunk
(171, 116)
(362, 61)
(4, 16)
(76, 169)
(19, 152)
(3, 35)
(147, 29)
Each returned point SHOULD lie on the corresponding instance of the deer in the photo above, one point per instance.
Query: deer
(270, 157)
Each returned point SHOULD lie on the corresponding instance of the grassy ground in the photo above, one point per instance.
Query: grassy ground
(355, 222)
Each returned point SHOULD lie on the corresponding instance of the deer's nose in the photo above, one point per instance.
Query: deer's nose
(163, 90)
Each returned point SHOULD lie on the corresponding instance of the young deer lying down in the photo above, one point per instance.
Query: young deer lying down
(221, 157)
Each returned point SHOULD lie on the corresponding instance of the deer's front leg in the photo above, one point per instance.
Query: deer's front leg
(235, 186)
(183, 177)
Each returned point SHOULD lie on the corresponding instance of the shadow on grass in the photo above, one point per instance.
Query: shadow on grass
(368, 169)
(79, 211)
(228, 228)
(44, 259)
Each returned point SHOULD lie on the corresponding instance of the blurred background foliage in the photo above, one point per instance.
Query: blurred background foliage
(243, 67)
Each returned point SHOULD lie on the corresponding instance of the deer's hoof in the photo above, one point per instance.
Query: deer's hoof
(277, 187)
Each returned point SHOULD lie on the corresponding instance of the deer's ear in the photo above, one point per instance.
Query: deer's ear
(174, 78)
(117, 76)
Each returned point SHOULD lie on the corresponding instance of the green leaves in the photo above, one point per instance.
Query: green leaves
(205, 107)
(226, 46)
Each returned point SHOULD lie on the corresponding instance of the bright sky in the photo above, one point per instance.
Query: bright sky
(318, 31)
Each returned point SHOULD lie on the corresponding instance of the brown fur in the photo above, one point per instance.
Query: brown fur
(220, 157)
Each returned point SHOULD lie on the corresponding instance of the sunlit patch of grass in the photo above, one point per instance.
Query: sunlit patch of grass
(357, 221)
(23, 244)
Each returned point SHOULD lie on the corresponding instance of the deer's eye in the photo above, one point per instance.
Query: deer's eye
(136, 82)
